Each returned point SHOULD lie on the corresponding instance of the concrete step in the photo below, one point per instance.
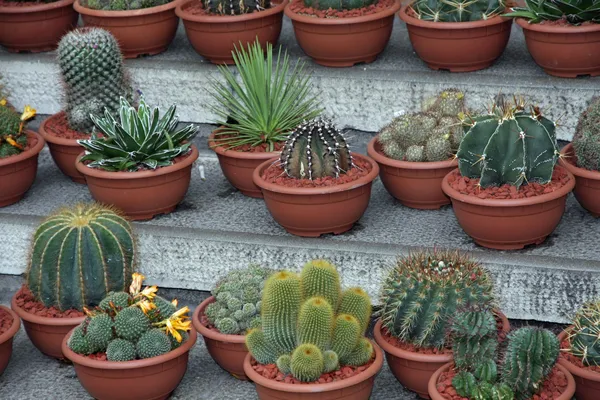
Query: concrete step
(363, 97)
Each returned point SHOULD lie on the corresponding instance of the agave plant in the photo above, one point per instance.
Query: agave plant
(575, 12)
(141, 138)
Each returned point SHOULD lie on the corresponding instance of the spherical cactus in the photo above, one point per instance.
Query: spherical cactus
(307, 363)
(227, 326)
(460, 11)
(118, 300)
(586, 141)
(486, 371)
(120, 350)
(464, 382)
(131, 323)
(12, 138)
(284, 364)
(99, 331)
(584, 334)
(152, 344)
(438, 148)
(79, 255)
(415, 154)
(79, 343)
(264, 352)
(227, 7)
(337, 4)
(174, 343)
(164, 308)
(331, 361)
(315, 322)
(362, 354)
(483, 391)
(356, 302)
(475, 340)
(346, 334)
(320, 278)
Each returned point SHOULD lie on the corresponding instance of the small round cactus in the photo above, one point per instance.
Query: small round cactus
(152, 344)
(100, 331)
(131, 323)
(307, 363)
(584, 334)
(120, 350)
(79, 343)
(586, 141)
(284, 364)
(115, 299)
(458, 11)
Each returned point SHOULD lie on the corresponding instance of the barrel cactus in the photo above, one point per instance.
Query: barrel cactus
(586, 141)
(229, 7)
(13, 139)
(79, 255)
(337, 4)
(457, 10)
(584, 334)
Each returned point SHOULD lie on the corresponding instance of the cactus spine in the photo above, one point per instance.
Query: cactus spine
(458, 10)
(586, 141)
(475, 341)
(585, 333)
(235, 7)
(337, 4)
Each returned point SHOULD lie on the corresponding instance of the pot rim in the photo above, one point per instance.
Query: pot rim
(226, 19)
(390, 162)
(523, 23)
(244, 155)
(264, 185)
(124, 175)
(14, 328)
(32, 152)
(574, 369)
(125, 13)
(50, 138)
(574, 169)
(372, 370)
(36, 319)
(393, 9)
(449, 25)
(209, 333)
(36, 8)
(544, 198)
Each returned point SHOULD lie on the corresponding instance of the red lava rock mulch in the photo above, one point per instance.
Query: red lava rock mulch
(6, 321)
(97, 356)
(58, 126)
(298, 7)
(468, 186)
(197, 8)
(574, 359)
(27, 302)
(564, 23)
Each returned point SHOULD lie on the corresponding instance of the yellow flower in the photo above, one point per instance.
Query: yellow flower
(174, 302)
(175, 323)
(3, 102)
(13, 143)
(28, 113)
(136, 283)
(145, 306)
(149, 292)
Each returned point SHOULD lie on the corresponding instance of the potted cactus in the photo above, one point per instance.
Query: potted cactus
(9, 326)
(94, 77)
(135, 343)
(223, 318)
(415, 151)
(459, 36)
(78, 255)
(412, 335)
(311, 330)
(507, 191)
(314, 178)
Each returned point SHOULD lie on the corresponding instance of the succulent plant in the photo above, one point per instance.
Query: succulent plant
(584, 334)
(79, 255)
(122, 5)
(457, 10)
(337, 4)
(575, 12)
(13, 139)
(303, 330)
(475, 342)
(230, 7)
(586, 141)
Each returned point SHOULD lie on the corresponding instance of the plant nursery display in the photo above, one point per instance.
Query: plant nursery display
(258, 106)
(232, 309)
(140, 162)
(562, 35)
(415, 150)
(311, 329)
(9, 326)
(460, 36)
(314, 178)
(507, 191)
(133, 341)
(78, 255)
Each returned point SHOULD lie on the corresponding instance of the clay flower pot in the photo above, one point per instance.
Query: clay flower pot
(146, 31)
(357, 387)
(148, 379)
(312, 212)
(46, 333)
(228, 351)
(343, 42)
(564, 51)
(6, 339)
(414, 184)
(141, 194)
(458, 46)
(215, 36)
(587, 382)
(587, 183)
(35, 28)
(17, 173)
(512, 223)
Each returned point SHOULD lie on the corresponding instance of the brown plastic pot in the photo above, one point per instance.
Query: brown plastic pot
(357, 387)
(215, 36)
(6, 339)
(587, 183)
(142, 194)
(228, 351)
(312, 212)
(36, 28)
(64, 152)
(587, 383)
(564, 51)
(343, 42)
(46, 333)
(148, 379)
(512, 223)
(17, 173)
(414, 184)
(146, 31)
(458, 46)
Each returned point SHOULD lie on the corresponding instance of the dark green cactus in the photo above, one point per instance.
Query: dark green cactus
(585, 333)
(122, 5)
(153, 344)
(120, 350)
(79, 343)
(457, 10)
(338, 4)
(464, 382)
(235, 7)
(117, 300)
(586, 141)
(99, 332)
(474, 343)
(12, 137)
(131, 323)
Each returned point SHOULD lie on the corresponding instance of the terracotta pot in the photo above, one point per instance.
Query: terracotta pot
(228, 351)
(414, 370)
(512, 223)
(46, 333)
(312, 212)
(238, 167)
(17, 173)
(343, 42)
(414, 184)
(458, 46)
(146, 31)
(435, 395)
(564, 51)
(587, 183)
(148, 379)
(214, 37)
(64, 152)
(587, 383)
(357, 387)
(6, 339)
(143, 194)
(35, 28)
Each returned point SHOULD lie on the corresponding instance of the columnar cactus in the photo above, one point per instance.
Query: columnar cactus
(231, 7)
(13, 139)
(585, 333)
(586, 141)
(475, 342)
(457, 10)
(79, 255)
(337, 4)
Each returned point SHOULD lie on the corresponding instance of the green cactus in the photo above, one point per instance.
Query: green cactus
(131, 323)
(337, 4)
(346, 334)
(464, 382)
(355, 301)
(263, 351)
(228, 7)
(120, 350)
(284, 364)
(320, 278)
(307, 363)
(175, 343)
(152, 344)
(501, 391)
(457, 10)
(164, 308)
(331, 361)
(475, 341)
(80, 254)
(486, 370)
(315, 323)
(122, 5)
(586, 141)
(13, 139)
(584, 334)
(79, 343)
(99, 331)
(362, 354)
(117, 299)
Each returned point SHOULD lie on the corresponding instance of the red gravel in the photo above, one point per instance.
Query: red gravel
(6, 321)
(574, 359)
(298, 7)
(564, 23)
(27, 302)
(197, 8)
(58, 126)
(96, 356)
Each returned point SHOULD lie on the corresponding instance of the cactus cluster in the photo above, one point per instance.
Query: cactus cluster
(585, 333)
(13, 138)
(309, 325)
(586, 141)
(575, 12)
(135, 325)
(429, 135)
(231, 7)
(457, 10)
(80, 254)
(122, 5)
(338, 4)
(238, 300)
